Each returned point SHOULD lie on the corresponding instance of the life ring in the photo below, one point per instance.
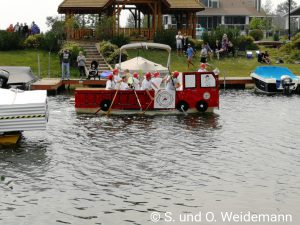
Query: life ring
(182, 106)
(202, 106)
(105, 104)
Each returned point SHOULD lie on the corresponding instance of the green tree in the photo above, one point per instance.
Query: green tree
(104, 28)
(257, 23)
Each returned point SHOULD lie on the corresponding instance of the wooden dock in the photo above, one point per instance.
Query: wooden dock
(55, 84)
(49, 84)
(236, 82)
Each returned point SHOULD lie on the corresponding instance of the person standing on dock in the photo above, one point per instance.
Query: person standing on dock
(65, 65)
(81, 65)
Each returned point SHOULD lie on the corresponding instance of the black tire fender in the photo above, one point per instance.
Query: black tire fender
(202, 106)
(182, 106)
(105, 104)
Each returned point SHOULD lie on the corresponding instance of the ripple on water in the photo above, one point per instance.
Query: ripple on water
(87, 169)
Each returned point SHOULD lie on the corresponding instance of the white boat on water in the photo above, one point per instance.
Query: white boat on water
(21, 111)
(275, 79)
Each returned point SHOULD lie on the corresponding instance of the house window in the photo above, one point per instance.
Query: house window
(211, 3)
(166, 20)
(209, 22)
(235, 20)
(205, 2)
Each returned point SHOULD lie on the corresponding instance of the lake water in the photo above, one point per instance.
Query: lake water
(85, 169)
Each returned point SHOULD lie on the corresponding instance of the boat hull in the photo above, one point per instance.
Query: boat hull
(10, 138)
(141, 112)
(270, 88)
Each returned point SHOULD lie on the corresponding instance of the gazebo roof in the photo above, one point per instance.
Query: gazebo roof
(94, 6)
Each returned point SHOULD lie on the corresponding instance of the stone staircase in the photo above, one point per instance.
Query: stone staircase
(93, 54)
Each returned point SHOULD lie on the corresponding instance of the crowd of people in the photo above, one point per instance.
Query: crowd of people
(24, 29)
(221, 48)
(127, 81)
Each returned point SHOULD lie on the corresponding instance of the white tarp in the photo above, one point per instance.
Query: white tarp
(23, 110)
(142, 65)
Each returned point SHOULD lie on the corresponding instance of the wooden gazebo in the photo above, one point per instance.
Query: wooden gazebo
(183, 10)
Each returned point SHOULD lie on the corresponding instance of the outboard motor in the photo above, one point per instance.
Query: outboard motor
(286, 83)
(3, 78)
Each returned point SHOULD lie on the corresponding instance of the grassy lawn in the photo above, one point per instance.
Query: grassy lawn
(234, 67)
(29, 58)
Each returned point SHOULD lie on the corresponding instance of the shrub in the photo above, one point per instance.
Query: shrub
(10, 41)
(34, 41)
(166, 37)
(256, 34)
(74, 50)
(196, 44)
(246, 43)
(114, 57)
(217, 34)
(107, 48)
(51, 42)
(291, 50)
(120, 40)
(276, 36)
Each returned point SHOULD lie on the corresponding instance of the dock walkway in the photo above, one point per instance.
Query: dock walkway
(55, 84)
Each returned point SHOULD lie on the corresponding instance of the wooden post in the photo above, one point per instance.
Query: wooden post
(190, 21)
(159, 23)
(139, 20)
(135, 19)
(194, 25)
(154, 18)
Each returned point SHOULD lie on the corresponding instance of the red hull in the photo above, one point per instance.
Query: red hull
(192, 98)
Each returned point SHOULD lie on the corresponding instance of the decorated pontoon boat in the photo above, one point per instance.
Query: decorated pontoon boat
(275, 79)
(199, 92)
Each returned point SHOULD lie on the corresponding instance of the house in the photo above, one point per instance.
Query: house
(230, 13)
(295, 13)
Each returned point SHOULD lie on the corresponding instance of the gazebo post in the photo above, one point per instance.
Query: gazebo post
(159, 16)
(139, 21)
(194, 24)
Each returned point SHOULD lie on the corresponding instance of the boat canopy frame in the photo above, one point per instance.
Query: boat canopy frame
(145, 45)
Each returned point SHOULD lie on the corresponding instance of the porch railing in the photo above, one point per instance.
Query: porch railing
(80, 34)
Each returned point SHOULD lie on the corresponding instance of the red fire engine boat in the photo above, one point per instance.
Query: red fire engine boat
(199, 92)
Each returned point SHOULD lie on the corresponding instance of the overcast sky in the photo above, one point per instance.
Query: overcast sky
(13, 11)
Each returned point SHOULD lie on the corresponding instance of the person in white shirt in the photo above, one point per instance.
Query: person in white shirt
(179, 38)
(156, 79)
(136, 82)
(147, 85)
(202, 68)
(172, 81)
(123, 84)
(110, 83)
(117, 78)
